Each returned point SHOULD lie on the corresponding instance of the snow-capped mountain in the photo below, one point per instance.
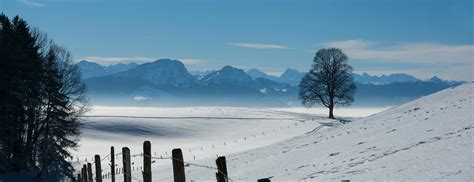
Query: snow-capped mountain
(291, 76)
(384, 79)
(91, 69)
(119, 67)
(169, 79)
(161, 72)
(256, 73)
(436, 79)
(227, 75)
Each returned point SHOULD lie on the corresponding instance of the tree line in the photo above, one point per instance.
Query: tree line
(41, 101)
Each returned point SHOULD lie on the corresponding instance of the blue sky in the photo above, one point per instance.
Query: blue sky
(419, 37)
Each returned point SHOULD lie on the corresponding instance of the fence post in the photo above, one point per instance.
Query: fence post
(147, 161)
(221, 174)
(263, 180)
(84, 173)
(98, 170)
(89, 172)
(178, 165)
(127, 168)
(112, 162)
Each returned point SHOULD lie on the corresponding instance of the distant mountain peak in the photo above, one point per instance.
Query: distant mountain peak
(230, 68)
(227, 75)
(166, 61)
(290, 71)
(85, 61)
(291, 76)
(162, 72)
(436, 79)
(256, 73)
(384, 79)
(91, 69)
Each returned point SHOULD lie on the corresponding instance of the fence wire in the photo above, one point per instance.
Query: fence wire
(119, 170)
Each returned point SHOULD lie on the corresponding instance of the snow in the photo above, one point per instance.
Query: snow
(338, 112)
(427, 139)
(201, 132)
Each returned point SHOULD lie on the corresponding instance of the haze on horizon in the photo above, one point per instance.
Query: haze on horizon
(421, 38)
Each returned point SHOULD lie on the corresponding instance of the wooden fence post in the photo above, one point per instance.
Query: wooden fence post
(98, 170)
(84, 173)
(112, 162)
(89, 172)
(221, 174)
(147, 161)
(263, 180)
(127, 168)
(178, 165)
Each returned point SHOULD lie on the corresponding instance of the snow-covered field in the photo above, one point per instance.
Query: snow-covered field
(201, 132)
(428, 139)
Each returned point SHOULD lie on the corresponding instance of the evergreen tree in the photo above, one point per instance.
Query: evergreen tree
(41, 101)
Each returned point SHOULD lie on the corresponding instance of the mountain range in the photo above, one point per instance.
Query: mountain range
(92, 69)
(167, 82)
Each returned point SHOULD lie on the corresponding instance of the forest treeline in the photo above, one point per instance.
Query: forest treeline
(41, 101)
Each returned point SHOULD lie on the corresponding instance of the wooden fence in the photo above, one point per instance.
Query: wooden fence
(179, 175)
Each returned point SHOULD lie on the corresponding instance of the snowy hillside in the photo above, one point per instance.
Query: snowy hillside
(428, 139)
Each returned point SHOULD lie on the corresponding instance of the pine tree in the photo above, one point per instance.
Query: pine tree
(42, 98)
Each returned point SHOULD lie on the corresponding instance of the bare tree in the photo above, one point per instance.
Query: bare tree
(329, 82)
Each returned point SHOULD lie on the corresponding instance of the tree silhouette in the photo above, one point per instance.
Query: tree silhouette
(41, 101)
(329, 82)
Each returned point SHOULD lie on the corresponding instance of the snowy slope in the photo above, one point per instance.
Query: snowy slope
(428, 139)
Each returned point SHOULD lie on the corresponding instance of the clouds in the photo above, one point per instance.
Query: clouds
(421, 53)
(258, 46)
(32, 3)
(113, 60)
(141, 98)
(445, 60)
(187, 61)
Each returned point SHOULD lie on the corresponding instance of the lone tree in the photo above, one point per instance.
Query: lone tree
(329, 82)
(41, 101)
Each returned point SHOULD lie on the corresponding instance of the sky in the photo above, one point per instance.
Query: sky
(419, 37)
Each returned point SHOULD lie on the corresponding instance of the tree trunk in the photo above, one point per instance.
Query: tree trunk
(331, 107)
(331, 115)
